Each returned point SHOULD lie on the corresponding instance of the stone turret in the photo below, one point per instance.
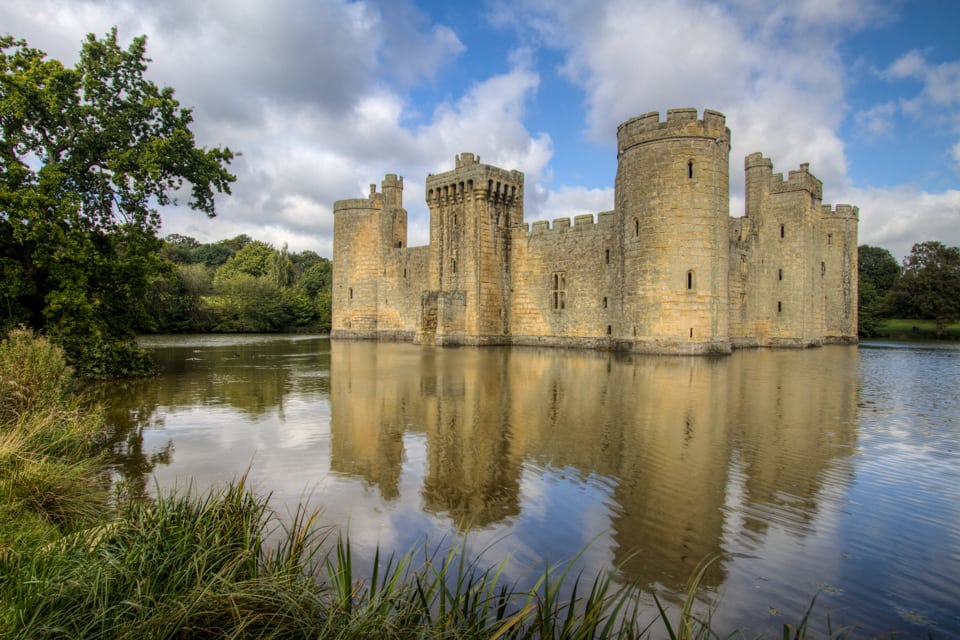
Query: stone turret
(366, 232)
(672, 198)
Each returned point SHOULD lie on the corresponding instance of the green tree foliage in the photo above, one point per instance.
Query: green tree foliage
(248, 304)
(879, 273)
(930, 285)
(254, 288)
(253, 259)
(86, 155)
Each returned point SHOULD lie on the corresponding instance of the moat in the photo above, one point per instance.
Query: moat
(831, 472)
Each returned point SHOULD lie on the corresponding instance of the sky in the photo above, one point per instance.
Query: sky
(324, 97)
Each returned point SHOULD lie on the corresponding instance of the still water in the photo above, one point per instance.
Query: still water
(831, 472)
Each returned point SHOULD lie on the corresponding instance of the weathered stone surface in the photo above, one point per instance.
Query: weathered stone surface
(667, 271)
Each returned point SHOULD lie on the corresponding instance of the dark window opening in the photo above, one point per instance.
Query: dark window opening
(399, 244)
(691, 332)
(559, 290)
(453, 265)
(609, 329)
(351, 293)
(779, 274)
(781, 231)
(636, 227)
(604, 303)
(690, 169)
(689, 280)
(779, 306)
(829, 238)
(606, 256)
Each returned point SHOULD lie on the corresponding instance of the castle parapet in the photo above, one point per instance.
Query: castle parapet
(842, 211)
(757, 160)
(582, 222)
(801, 180)
(679, 123)
(390, 196)
(472, 180)
(374, 202)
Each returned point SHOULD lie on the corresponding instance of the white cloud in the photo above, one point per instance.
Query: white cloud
(568, 202)
(898, 217)
(939, 96)
(318, 96)
(876, 121)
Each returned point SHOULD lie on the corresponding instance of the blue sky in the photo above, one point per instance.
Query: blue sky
(324, 97)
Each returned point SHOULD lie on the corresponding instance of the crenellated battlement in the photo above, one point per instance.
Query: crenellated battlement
(473, 180)
(841, 211)
(583, 222)
(759, 175)
(679, 123)
(390, 196)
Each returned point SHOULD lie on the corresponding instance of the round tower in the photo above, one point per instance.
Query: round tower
(672, 200)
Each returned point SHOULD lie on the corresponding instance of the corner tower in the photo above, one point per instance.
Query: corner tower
(366, 232)
(672, 202)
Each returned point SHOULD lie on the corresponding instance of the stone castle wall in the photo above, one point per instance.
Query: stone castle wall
(667, 271)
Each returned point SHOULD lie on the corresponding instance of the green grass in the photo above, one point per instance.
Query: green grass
(908, 329)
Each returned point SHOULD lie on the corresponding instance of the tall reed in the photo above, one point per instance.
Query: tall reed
(50, 476)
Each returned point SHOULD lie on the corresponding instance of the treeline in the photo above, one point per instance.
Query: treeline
(239, 285)
(926, 286)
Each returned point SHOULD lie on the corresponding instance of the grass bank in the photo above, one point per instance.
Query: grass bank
(77, 561)
(909, 329)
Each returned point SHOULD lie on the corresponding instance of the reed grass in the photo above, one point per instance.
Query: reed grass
(51, 479)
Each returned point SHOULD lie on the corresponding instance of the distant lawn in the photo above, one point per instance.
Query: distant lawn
(909, 329)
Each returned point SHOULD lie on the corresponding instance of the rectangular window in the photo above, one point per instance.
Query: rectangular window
(559, 290)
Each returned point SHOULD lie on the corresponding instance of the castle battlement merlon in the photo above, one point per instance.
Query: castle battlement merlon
(800, 180)
(842, 211)
(679, 123)
(582, 222)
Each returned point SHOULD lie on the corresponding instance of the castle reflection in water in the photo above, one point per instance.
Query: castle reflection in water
(696, 449)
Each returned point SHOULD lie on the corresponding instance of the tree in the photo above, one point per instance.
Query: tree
(86, 156)
(878, 268)
(879, 272)
(254, 258)
(930, 285)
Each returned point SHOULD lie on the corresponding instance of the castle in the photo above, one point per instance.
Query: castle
(667, 271)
